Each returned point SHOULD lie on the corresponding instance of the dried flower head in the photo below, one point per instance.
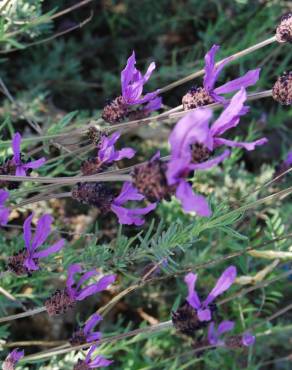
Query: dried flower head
(4, 211)
(15, 166)
(284, 29)
(92, 362)
(12, 359)
(208, 93)
(150, 179)
(94, 135)
(64, 299)
(282, 90)
(202, 308)
(86, 334)
(27, 259)
(132, 82)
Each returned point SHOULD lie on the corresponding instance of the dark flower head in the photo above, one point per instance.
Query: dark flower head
(30, 256)
(284, 29)
(282, 90)
(86, 334)
(21, 168)
(193, 129)
(202, 308)
(4, 211)
(12, 359)
(92, 362)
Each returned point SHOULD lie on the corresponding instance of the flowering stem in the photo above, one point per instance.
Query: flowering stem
(232, 57)
(33, 312)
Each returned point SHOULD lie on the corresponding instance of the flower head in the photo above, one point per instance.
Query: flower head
(284, 29)
(214, 333)
(192, 135)
(4, 212)
(202, 308)
(12, 359)
(86, 334)
(282, 89)
(92, 362)
(21, 168)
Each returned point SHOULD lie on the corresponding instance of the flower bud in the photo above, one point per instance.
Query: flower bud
(282, 90)
(284, 29)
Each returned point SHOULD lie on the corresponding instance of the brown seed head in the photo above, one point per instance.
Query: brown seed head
(284, 29)
(282, 90)
(94, 135)
(116, 111)
(93, 166)
(186, 321)
(196, 97)
(234, 341)
(16, 263)
(59, 303)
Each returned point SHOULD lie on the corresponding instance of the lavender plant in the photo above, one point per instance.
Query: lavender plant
(192, 220)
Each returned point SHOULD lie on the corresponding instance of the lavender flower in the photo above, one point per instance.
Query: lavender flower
(129, 216)
(27, 259)
(202, 308)
(91, 362)
(86, 334)
(192, 135)
(64, 299)
(21, 168)
(212, 73)
(214, 336)
(288, 160)
(4, 212)
(12, 359)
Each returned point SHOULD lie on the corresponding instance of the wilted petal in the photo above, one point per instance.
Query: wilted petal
(211, 162)
(249, 79)
(240, 144)
(101, 285)
(223, 283)
(128, 192)
(192, 298)
(192, 202)
(91, 322)
(211, 71)
(230, 116)
(56, 247)
(248, 339)
(16, 141)
(43, 230)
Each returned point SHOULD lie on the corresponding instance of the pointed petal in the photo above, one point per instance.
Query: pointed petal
(101, 285)
(131, 216)
(128, 192)
(153, 104)
(43, 230)
(211, 162)
(192, 202)
(149, 72)
(20, 170)
(34, 164)
(225, 326)
(127, 73)
(192, 298)
(56, 247)
(230, 116)
(16, 141)
(86, 276)
(223, 283)
(30, 264)
(4, 195)
(146, 98)
(249, 79)
(72, 270)
(211, 70)
(99, 361)
(27, 232)
(125, 153)
(240, 144)
(91, 323)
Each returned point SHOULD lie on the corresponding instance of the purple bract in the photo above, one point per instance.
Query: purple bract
(107, 152)
(4, 212)
(215, 334)
(12, 359)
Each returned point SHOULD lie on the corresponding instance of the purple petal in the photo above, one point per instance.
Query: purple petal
(192, 128)
(127, 73)
(86, 276)
(225, 326)
(30, 264)
(125, 153)
(178, 168)
(16, 141)
(248, 339)
(230, 116)
(211, 162)
(149, 72)
(192, 298)
(72, 270)
(212, 334)
(131, 216)
(157, 156)
(93, 337)
(4, 216)
(240, 144)
(223, 283)
(91, 322)
(43, 230)
(153, 104)
(146, 98)
(56, 247)
(101, 285)
(27, 232)
(288, 160)
(204, 315)
(4, 195)
(99, 361)
(192, 202)
(249, 79)
(34, 164)
(89, 353)
(128, 192)
(20, 170)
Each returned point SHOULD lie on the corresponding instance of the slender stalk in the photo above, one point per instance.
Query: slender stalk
(233, 57)
(21, 315)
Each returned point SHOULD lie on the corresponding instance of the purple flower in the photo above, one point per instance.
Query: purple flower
(133, 81)
(12, 359)
(93, 362)
(4, 212)
(75, 290)
(215, 334)
(212, 73)
(107, 152)
(21, 168)
(86, 334)
(193, 129)
(129, 216)
(248, 339)
(288, 160)
(32, 244)
(223, 283)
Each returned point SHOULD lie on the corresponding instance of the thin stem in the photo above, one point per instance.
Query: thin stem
(233, 57)
(21, 315)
